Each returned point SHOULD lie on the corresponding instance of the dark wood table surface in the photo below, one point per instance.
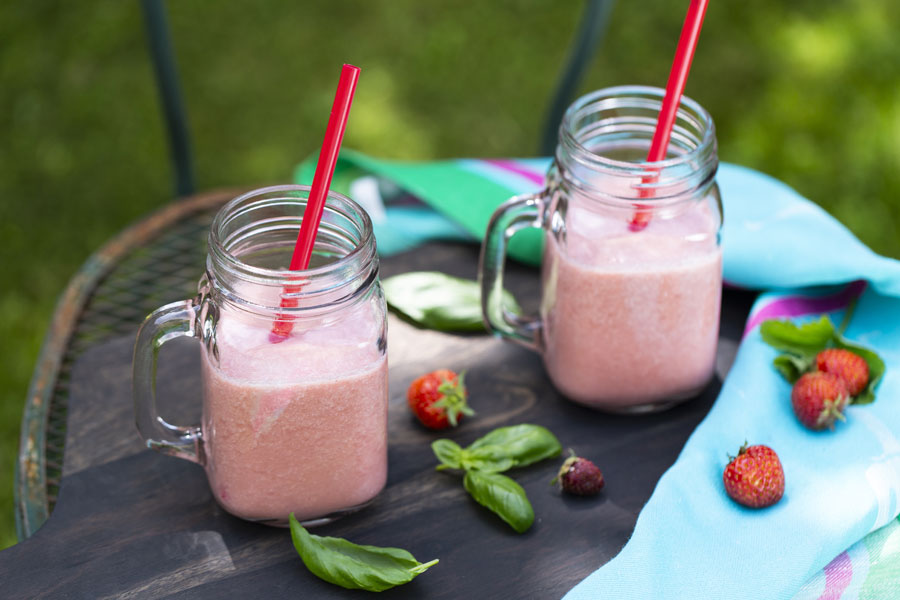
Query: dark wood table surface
(131, 523)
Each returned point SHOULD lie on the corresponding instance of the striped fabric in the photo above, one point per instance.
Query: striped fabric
(868, 570)
(836, 529)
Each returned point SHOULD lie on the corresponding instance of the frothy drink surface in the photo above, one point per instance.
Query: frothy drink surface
(299, 426)
(631, 318)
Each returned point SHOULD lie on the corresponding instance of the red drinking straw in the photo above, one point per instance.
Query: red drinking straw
(681, 66)
(331, 147)
(315, 204)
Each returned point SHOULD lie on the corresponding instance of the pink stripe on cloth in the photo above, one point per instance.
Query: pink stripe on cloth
(838, 575)
(513, 167)
(795, 306)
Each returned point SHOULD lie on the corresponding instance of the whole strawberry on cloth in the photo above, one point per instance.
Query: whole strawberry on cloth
(438, 399)
(827, 371)
(850, 368)
(754, 477)
(819, 399)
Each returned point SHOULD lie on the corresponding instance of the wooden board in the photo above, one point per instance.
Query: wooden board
(131, 523)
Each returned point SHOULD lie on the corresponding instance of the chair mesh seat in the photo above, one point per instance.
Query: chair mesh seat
(149, 276)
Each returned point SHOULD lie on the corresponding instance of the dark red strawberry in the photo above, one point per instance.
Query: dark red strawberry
(851, 368)
(438, 399)
(580, 477)
(754, 477)
(819, 399)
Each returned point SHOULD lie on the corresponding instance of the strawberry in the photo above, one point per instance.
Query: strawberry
(819, 399)
(580, 477)
(438, 399)
(851, 368)
(754, 477)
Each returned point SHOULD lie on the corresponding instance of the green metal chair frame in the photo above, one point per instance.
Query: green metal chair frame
(591, 30)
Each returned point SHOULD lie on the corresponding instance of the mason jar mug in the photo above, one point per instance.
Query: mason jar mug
(294, 363)
(632, 265)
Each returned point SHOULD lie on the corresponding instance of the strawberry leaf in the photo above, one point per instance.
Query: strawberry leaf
(803, 340)
(792, 366)
(876, 369)
(454, 399)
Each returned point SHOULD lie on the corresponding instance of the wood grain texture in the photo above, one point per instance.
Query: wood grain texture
(131, 523)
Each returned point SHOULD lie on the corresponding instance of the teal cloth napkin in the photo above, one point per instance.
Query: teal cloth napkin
(691, 540)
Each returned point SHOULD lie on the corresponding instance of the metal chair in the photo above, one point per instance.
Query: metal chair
(120, 283)
(593, 26)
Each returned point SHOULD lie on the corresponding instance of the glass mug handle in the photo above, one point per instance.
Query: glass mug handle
(516, 214)
(179, 319)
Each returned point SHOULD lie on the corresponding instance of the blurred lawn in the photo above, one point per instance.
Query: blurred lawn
(804, 90)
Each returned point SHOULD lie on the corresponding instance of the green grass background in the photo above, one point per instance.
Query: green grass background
(807, 91)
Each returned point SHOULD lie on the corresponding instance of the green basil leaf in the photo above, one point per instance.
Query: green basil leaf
(501, 495)
(490, 459)
(804, 340)
(525, 444)
(792, 366)
(461, 317)
(449, 453)
(439, 301)
(353, 566)
(876, 369)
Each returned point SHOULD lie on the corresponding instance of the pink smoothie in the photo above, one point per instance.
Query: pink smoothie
(299, 426)
(631, 319)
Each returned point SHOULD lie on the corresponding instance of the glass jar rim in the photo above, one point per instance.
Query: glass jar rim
(648, 94)
(334, 201)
